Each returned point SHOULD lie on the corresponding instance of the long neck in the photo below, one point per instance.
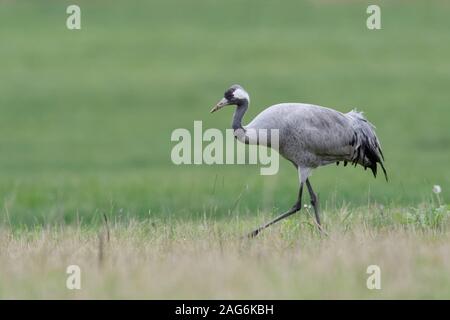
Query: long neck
(239, 114)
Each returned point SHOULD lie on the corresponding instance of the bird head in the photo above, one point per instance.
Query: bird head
(235, 95)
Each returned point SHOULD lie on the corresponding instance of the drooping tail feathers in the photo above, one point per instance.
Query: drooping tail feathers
(367, 148)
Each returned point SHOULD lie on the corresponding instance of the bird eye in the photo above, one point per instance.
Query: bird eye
(229, 94)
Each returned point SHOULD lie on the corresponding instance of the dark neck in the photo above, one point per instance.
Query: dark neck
(239, 114)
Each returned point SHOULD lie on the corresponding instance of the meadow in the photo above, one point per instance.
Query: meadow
(85, 123)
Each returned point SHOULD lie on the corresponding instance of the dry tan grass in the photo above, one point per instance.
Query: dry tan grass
(209, 260)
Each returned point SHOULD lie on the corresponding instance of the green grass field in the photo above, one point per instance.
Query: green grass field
(86, 118)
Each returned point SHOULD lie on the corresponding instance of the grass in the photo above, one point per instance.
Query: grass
(156, 259)
(85, 124)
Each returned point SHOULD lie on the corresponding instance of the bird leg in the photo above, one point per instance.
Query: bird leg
(314, 203)
(297, 206)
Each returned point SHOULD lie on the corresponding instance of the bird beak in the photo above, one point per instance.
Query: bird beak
(222, 103)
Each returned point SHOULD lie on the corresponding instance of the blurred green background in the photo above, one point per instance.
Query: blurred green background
(86, 116)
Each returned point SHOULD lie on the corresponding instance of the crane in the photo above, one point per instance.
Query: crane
(310, 136)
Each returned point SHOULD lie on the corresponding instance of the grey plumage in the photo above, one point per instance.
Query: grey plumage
(310, 136)
(367, 149)
(313, 136)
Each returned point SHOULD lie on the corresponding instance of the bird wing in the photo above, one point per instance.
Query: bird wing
(322, 131)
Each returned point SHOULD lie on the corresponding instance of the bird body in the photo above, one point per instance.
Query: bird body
(309, 136)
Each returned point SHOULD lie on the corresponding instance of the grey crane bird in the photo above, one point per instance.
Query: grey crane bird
(310, 136)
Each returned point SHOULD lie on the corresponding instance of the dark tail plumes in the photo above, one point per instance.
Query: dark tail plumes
(367, 150)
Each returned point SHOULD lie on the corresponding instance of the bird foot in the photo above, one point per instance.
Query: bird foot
(321, 230)
(253, 234)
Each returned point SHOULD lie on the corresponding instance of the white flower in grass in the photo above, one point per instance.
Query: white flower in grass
(437, 189)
